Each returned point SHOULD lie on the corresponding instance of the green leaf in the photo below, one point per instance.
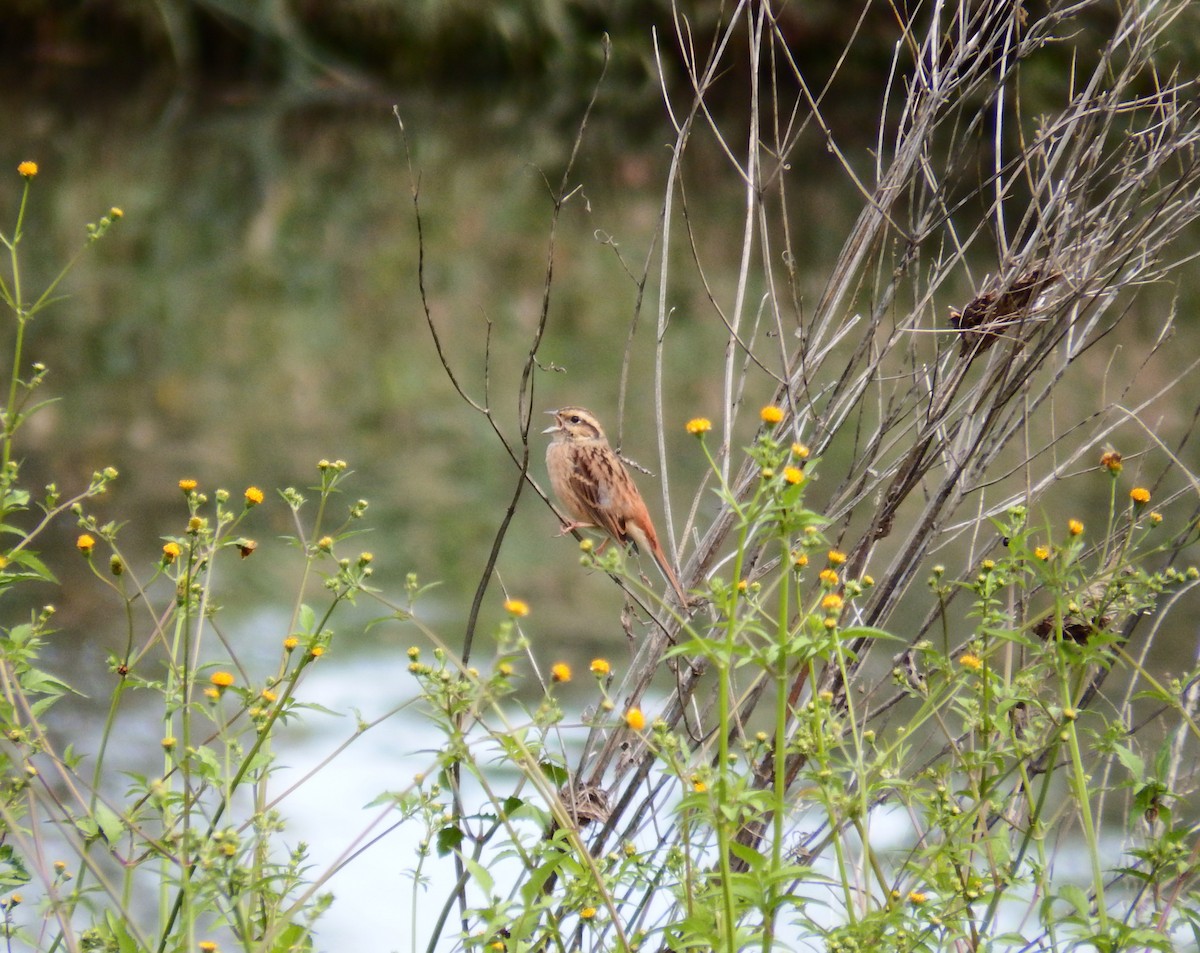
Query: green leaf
(449, 839)
(108, 823)
(13, 872)
(206, 761)
(293, 937)
(869, 632)
(120, 932)
(555, 772)
(40, 683)
(1075, 896)
(38, 568)
(1132, 761)
(481, 875)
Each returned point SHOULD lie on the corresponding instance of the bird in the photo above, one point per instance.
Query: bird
(596, 490)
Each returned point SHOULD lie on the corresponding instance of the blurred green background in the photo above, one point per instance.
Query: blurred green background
(257, 307)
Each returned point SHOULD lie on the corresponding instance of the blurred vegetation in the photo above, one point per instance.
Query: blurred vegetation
(550, 50)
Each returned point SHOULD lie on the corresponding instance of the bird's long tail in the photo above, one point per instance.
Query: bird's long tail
(644, 540)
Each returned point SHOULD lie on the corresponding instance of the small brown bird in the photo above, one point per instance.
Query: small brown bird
(594, 487)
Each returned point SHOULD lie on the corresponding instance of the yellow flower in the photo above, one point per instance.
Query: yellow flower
(800, 560)
(836, 558)
(587, 913)
(212, 694)
(195, 524)
(171, 552)
(560, 672)
(290, 643)
(1140, 495)
(3, 561)
(916, 897)
(254, 496)
(325, 544)
(268, 695)
(1041, 553)
(972, 662)
(793, 475)
(832, 602)
(868, 580)
(518, 608)
(600, 667)
(505, 669)
(207, 946)
(829, 577)
(1156, 517)
(84, 544)
(28, 169)
(1111, 461)
(987, 565)
(168, 742)
(187, 485)
(115, 212)
(699, 425)
(635, 719)
(698, 784)
(317, 651)
(771, 414)
(1074, 527)
(221, 679)
(800, 451)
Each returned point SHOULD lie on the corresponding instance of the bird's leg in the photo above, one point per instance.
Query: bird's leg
(572, 526)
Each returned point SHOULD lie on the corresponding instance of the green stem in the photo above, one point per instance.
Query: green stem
(779, 779)
(1080, 785)
(723, 669)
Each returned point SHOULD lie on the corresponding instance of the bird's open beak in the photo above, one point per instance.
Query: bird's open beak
(554, 427)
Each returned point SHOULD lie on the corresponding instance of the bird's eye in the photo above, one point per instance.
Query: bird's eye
(574, 418)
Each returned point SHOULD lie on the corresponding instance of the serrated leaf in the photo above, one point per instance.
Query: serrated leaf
(1162, 760)
(1133, 762)
(1075, 896)
(206, 759)
(13, 872)
(869, 632)
(482, 877)
(555, 772)
(44, 684)
(120, 932)
(320, 709)
(20, 634)
(27, 559)
(293, 937)
(449, 839)
(108, 823)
